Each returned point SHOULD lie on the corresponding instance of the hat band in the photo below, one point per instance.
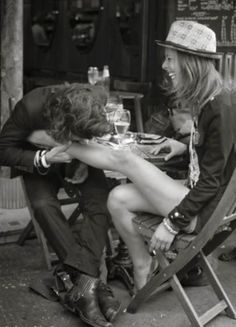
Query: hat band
(178, 47)
(190, 49)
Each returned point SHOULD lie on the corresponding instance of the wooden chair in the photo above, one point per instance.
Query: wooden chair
(136, 91)
(69, 195)
(189, 249)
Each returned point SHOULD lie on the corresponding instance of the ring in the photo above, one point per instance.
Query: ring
(153, 253)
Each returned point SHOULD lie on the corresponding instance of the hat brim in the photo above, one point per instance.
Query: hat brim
(175, 46)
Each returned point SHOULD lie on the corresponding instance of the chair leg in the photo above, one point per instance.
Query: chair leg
(181, 294)
(33, 224)
(185, 302)
(216, 285)
(25, 233)
(43, 241)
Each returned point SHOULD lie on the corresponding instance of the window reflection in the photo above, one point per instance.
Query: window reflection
(83, 18)
(43, 28)
(128, 15)
(39, 33)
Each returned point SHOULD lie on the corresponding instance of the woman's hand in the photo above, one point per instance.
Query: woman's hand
(174, 148)
(161, 239)
(58, 154)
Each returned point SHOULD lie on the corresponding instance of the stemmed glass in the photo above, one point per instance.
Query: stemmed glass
(122, 120)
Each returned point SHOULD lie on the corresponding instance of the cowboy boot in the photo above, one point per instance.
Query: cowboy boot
(82, 299)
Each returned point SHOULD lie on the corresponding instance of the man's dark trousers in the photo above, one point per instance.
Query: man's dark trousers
(81, 250)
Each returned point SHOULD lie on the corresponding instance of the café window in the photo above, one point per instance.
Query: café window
(84, 17)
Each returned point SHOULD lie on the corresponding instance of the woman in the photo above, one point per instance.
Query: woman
(190, 53)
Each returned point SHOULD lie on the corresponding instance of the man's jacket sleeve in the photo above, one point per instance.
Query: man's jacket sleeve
(15, 151)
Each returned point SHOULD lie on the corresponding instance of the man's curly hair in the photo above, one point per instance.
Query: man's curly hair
(76, 110)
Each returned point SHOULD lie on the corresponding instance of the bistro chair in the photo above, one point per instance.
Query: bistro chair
(138, 92)
(68, 194)
(187, 250)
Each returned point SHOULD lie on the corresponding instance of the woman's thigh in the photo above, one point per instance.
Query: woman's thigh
(159, 202)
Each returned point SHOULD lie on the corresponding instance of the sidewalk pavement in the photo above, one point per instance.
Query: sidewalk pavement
(20, 307)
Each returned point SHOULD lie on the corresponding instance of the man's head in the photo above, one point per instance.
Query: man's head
(76, 111)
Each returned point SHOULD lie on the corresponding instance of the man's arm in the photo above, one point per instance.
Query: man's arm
(14, 148)
(41, 138)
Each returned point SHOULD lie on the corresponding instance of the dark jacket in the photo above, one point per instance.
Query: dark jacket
(216, 157)
(26, 117)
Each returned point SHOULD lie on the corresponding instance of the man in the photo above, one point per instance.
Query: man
(65, 113)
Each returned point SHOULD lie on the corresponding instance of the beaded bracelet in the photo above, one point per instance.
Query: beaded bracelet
(168, 227)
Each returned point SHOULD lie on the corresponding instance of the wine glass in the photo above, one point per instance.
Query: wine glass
(121, 123)
(93, 75)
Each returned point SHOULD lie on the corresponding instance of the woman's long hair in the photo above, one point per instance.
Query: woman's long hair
(76, 111)
(197, 83)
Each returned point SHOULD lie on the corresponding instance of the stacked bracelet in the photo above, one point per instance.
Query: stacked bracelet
(168, 226)
(40, 162)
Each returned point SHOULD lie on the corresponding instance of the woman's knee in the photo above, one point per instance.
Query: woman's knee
(117, 200)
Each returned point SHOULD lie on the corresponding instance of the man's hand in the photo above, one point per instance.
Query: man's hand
(174, 148)
(161, 239)
(58, 154)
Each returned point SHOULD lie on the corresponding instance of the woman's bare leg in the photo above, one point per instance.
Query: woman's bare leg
(123, 203)
(155, 186)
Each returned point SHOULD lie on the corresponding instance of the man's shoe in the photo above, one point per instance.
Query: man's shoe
(194, 278)
(109, 305)
(82, 299)
(228, 256)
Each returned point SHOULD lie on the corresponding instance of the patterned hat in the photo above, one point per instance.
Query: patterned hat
(191, 37)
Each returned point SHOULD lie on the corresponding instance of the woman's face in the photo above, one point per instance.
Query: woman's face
(171, 65)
